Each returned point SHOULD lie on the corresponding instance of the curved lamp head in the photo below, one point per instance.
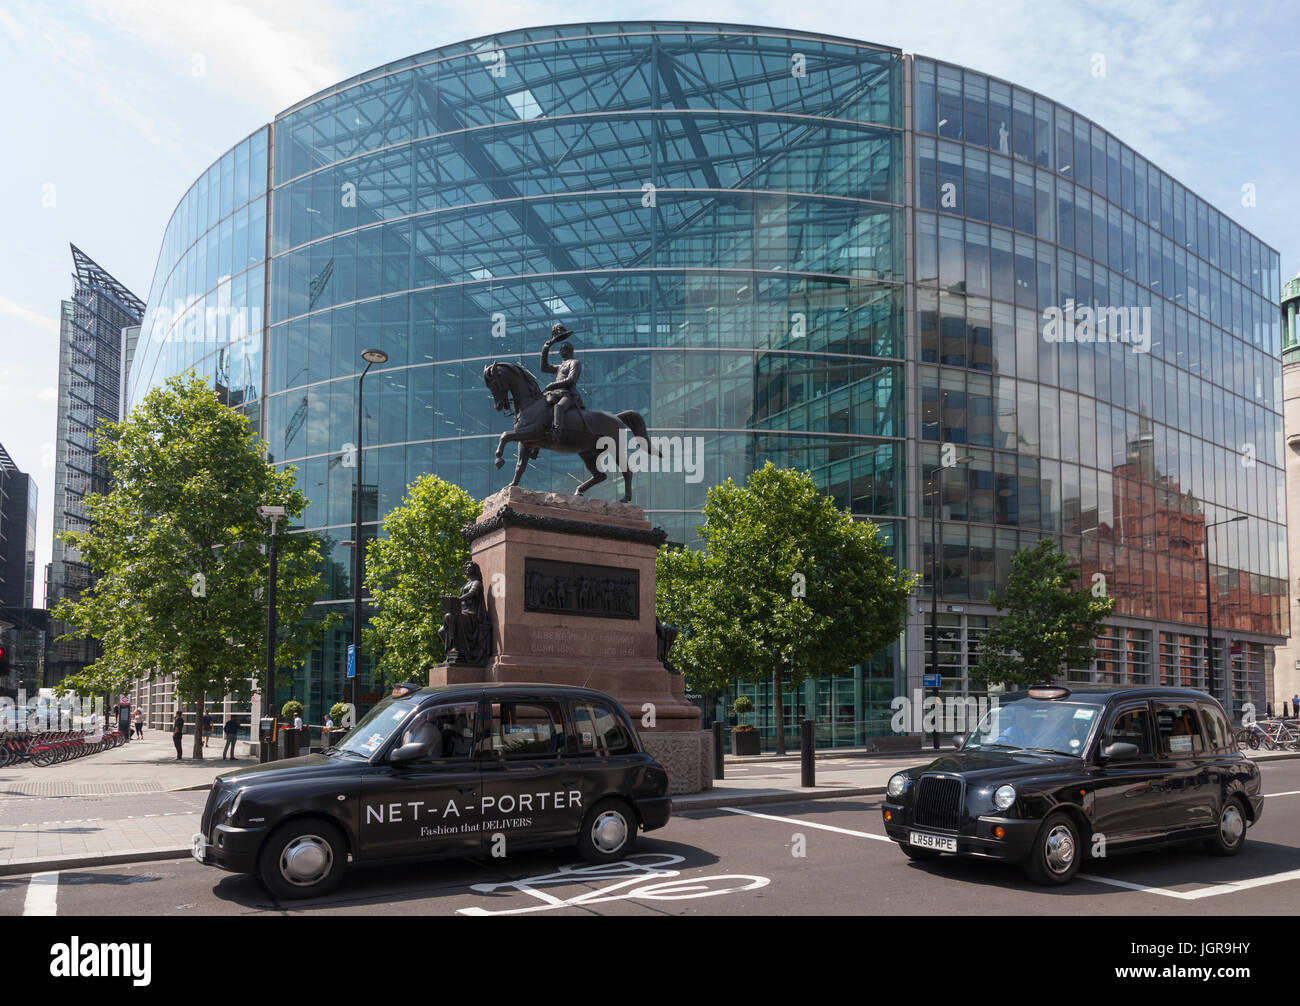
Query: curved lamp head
(375, 356)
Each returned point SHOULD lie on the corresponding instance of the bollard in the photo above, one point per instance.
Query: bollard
(807, 762)
(719, 743)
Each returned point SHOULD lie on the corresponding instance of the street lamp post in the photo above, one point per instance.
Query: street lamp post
(371, 356)
(1209, 614)
(934, 570)
(272, 514)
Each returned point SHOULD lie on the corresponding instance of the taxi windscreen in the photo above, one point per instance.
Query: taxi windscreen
(1036, 725)
(376, 726)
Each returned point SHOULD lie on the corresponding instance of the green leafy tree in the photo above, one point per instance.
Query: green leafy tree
(1049, 626)
(784, 586)
(291, 709)
(420, 558)
(177, 545)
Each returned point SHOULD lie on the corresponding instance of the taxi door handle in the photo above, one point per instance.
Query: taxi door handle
(468, 789)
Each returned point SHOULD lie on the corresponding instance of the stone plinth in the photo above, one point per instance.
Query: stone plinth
(570, 584)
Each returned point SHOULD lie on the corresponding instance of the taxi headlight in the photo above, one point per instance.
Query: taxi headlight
(234, 806)
(897, 784)
(1004, 797)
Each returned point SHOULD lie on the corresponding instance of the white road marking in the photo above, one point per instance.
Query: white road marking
(1208, 891)
(1293, 792)
(806, 824)
(42, 894)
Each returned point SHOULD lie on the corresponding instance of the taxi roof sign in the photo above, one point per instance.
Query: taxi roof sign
(404, 689)
(1048, 692)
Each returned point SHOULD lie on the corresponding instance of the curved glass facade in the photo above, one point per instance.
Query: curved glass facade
(754, 248)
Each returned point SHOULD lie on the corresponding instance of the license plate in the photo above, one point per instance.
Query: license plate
(198, 846)
(941, 843)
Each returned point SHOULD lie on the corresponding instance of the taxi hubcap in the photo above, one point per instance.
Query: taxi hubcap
(1060, 849)
(306, 860)
(1232, 825)
(609, 831)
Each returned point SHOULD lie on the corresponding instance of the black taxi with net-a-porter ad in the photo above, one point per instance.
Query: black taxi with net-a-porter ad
(434, 772)
(1056, 775)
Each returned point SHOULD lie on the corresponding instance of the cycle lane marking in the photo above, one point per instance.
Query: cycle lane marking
(42, 894)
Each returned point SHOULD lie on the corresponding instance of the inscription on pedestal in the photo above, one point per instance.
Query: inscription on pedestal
(571, 588)
(559, 643)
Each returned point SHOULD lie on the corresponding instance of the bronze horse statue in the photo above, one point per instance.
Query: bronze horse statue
(515, 388)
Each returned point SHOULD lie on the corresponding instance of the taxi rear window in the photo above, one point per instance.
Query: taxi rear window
(599, 730)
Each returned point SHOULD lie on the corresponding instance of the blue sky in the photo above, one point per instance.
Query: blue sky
(113, 107)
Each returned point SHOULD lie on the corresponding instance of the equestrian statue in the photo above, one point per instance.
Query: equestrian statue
(556, 418)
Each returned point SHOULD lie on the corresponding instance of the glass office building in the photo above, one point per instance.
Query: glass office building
(773, 241)
(91, 327)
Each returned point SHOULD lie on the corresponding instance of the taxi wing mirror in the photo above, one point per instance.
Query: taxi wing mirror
(958, 741)
(407, 752)
(1119, 751)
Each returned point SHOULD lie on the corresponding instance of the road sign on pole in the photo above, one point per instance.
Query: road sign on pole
(931, 680)
(352, 660)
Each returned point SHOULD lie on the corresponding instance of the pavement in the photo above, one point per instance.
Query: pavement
(139, 803)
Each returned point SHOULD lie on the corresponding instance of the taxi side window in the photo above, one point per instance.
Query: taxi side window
(527, 729)
(446, 731)
(1216, 728)
(584, 728)
(1180, 729)
(1132, 726)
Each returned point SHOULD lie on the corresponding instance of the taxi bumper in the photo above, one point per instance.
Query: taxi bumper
(654, 812)
(231, 848)
(975, 837)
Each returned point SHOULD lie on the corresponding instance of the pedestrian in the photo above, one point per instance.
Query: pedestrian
(297, 721)
(232, 734)
(207, 728)
(178, 731)
(1295, 705)
(138, 721)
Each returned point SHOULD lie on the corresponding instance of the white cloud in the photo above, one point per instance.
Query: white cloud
(270, 57)
(45, 322)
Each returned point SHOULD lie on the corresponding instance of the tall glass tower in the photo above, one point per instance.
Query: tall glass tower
(90, 361)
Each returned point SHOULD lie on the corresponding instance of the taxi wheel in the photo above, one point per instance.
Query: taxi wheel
(608, 832)
(303, 859)
(1056, 852)
(1230, 835)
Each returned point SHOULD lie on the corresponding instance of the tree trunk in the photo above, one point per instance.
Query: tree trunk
(778, 710)
(201, 708)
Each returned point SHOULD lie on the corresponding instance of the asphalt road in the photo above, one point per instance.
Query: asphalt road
(798, 858)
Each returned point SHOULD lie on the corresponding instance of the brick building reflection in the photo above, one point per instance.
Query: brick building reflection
(1152, 555)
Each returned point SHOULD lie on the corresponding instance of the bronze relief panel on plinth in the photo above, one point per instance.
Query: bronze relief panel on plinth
(572, 588)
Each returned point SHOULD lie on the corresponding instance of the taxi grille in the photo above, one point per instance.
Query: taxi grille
(938, 803)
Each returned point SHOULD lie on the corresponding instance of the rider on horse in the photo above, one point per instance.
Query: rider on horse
(562, 393)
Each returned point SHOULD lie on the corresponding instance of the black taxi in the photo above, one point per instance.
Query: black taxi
(450, 771)
(1055, 775)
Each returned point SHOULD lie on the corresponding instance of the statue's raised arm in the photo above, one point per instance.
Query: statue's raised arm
(557, 419)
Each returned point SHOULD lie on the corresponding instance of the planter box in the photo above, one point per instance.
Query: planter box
(744, 742)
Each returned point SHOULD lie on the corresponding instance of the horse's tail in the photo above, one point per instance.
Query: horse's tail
(634, 422)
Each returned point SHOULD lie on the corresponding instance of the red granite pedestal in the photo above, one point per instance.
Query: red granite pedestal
(604, 640)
